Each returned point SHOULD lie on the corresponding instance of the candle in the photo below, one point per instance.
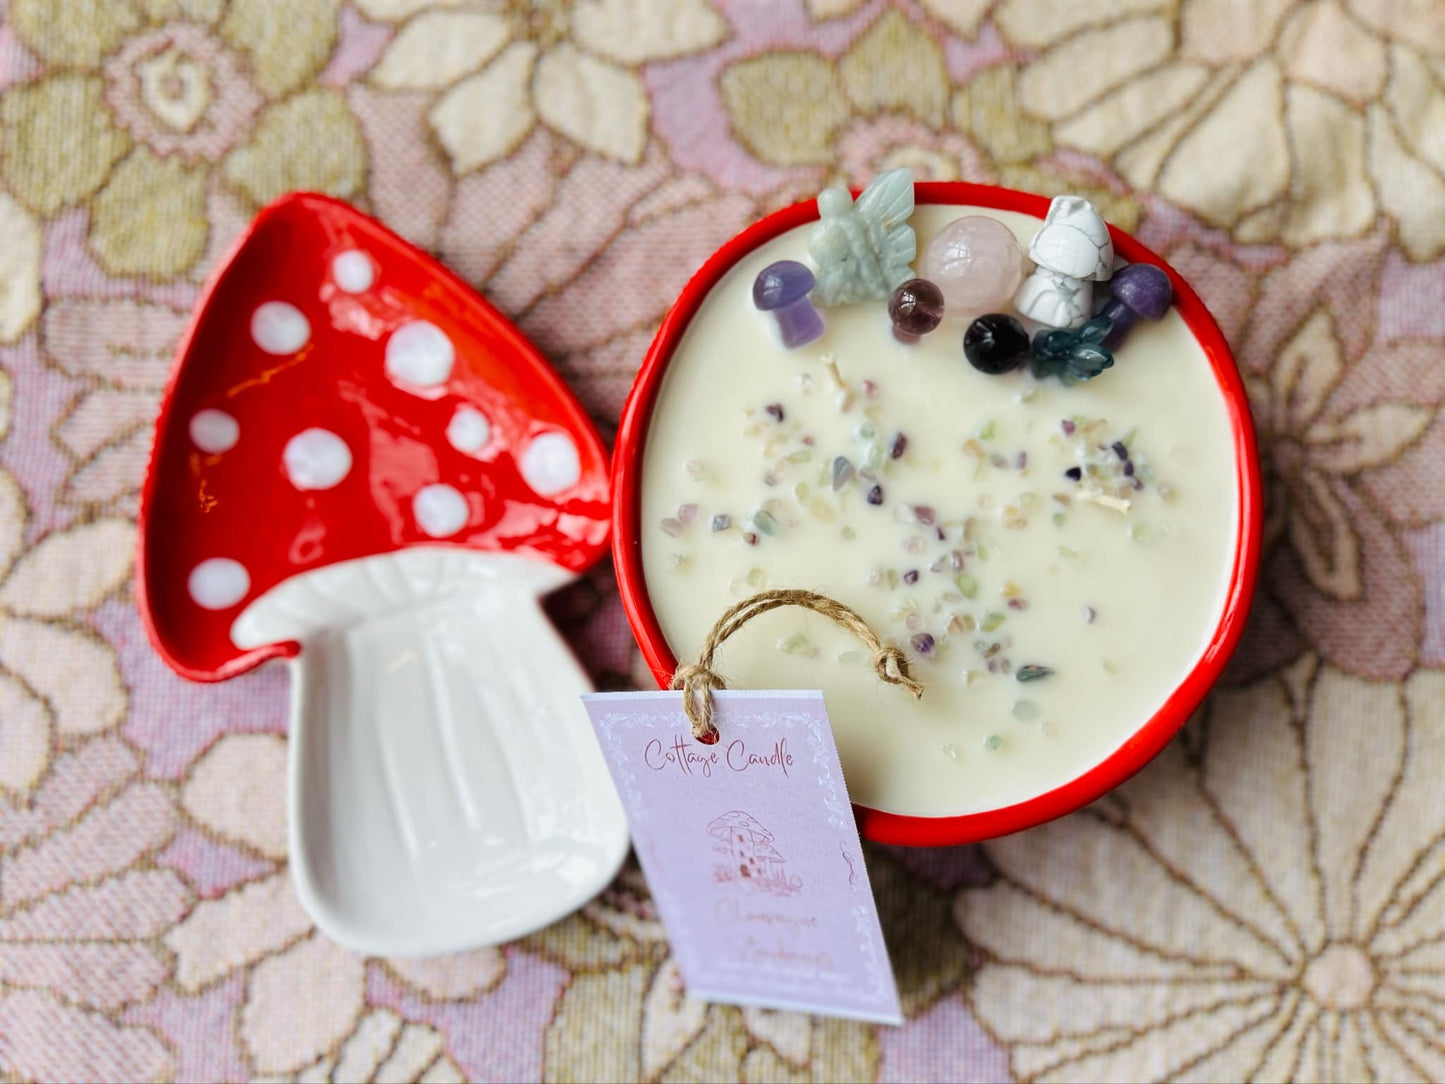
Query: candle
(1054, 559)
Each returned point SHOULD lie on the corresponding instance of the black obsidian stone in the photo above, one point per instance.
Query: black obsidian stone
(995, 343)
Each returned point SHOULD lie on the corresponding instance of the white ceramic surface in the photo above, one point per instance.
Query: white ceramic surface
(446, 788)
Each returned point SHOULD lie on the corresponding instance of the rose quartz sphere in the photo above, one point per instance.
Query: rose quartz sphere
(976, 262)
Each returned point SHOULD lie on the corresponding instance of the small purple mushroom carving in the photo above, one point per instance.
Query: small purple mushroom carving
(1140, 290)
(782, 289)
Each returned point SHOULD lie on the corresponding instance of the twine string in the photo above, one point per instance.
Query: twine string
(697, 680)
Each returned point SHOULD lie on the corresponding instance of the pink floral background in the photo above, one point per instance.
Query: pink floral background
(1266, 901)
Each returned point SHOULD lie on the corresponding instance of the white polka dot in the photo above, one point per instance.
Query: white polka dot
(316, 459)
(214, 431)
(279, 328)
(550, 463)
(218, 583)
(440, 511)
(469, 430)
(353, 271)
(419, 353)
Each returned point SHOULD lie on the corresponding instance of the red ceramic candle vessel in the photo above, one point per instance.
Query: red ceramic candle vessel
(1154, 732)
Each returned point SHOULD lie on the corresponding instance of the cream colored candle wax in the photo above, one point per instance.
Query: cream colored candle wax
(1049, 602)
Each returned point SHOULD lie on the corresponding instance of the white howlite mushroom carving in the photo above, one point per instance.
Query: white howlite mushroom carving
(1073, 251)
(387, 508)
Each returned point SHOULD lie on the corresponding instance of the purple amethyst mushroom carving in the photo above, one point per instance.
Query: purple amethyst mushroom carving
(782, 289)
(1141, 291)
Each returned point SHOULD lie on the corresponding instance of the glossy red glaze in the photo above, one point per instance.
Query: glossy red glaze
(1159, 728)
(241, 504)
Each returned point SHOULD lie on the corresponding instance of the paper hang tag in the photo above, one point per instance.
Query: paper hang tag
(751, 851)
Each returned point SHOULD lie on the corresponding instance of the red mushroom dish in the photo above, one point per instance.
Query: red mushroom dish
(361, 466)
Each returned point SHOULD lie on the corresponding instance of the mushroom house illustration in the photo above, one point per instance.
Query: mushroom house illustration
(752, 859)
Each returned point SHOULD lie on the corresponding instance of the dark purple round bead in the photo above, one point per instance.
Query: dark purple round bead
(995, 343)
(781, 284)
(916, 308)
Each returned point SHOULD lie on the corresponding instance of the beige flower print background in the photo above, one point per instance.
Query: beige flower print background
(799, 108)
(567, 65)
(1278, 120)
(1268, 908)
(81, 909)
(1350, 419)
(150, 107)
(122, 350)
(58, 680)
(261, 930)
(1264, 902)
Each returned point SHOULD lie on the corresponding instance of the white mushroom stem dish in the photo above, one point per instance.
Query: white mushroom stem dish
(435, 694)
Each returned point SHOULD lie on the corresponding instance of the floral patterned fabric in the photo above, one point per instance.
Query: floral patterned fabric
(1267, 900)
